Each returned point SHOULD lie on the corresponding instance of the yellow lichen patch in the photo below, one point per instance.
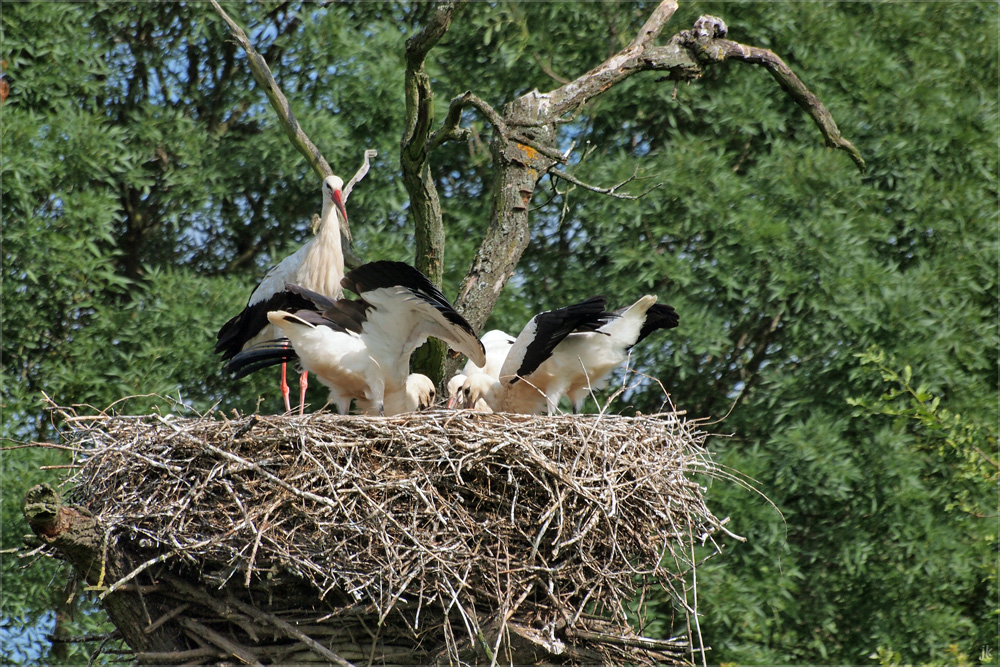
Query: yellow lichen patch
(528, 151)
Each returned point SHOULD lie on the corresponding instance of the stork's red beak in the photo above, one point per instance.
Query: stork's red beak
(340, 204)
(452, 400)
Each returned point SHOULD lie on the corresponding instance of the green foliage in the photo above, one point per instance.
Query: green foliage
(147, 186)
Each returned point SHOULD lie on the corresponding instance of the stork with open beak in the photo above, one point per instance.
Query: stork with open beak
(361, 348)
(318, 266)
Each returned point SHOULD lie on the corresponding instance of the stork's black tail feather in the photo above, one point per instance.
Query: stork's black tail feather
(249, 322)
(264, 355)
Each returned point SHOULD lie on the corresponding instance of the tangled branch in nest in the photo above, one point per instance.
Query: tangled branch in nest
(428, 537)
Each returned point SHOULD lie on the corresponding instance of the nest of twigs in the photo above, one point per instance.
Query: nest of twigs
(448, 537)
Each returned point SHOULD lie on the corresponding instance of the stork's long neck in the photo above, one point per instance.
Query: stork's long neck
(326, 260)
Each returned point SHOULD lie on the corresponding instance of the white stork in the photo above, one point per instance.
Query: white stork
(361, 348)
(497, 344)
(525, 383)
(318, 266)
(583, 361)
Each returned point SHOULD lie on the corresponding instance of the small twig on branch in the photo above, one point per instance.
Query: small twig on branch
(612, 191)
(547, 68)
(262, 74)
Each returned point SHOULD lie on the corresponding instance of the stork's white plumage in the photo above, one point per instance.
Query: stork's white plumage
(455, 389)
(524, 382)
(318, 266)
(361, 348)
(582, 362)
(497, 344)
(418, 394)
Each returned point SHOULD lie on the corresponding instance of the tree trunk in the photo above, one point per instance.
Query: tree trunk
(81, 540)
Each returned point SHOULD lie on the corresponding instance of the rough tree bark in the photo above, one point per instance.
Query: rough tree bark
(413, 152)
(79, 538)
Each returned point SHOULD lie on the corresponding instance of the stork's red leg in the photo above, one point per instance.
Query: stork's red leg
(303, 384)
(284, 387)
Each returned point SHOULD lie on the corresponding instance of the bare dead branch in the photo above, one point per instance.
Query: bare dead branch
(612, 191)
(230, 647)
(793, 85)
(418, 46)
(360, 174)
(262, 74)
(635, 57)
(450, 129)
(289, 631)
(541, 148)
(654, 24)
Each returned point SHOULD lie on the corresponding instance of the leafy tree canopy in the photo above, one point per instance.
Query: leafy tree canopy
(845, 326)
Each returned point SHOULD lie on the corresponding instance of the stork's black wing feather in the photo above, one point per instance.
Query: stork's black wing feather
(309, 299)
(552, 326)
(659, 316)
(348, 313)
(344, 314)
(386, 274)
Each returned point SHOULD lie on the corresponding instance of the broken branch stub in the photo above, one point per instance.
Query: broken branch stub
(85, 543)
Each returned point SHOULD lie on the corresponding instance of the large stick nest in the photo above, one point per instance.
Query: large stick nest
(429, 537)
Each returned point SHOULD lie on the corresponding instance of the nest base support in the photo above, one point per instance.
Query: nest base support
(80, 539)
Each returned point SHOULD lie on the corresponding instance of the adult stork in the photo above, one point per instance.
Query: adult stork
(361, 348)
(582, 362)
(497, 344)
(526, 384)
(318, 266)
